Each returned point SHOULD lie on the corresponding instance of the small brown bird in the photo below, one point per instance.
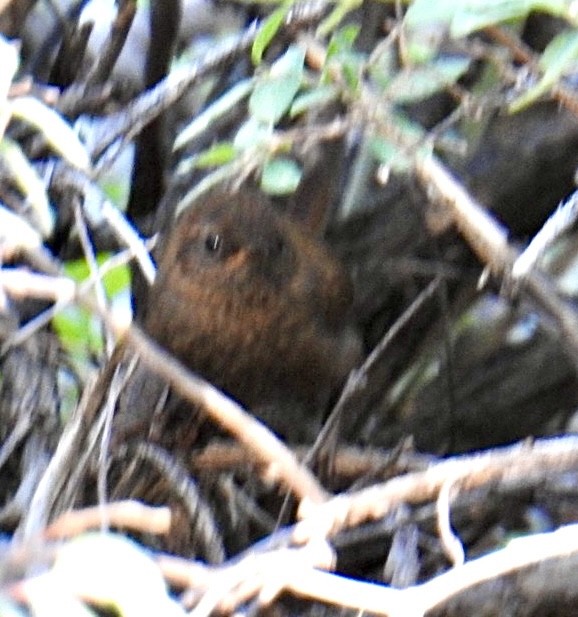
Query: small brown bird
(249, 300)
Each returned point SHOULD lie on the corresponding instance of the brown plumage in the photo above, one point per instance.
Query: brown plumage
(253, 303)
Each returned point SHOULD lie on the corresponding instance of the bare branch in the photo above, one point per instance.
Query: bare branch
(128, 514)
(514, 463)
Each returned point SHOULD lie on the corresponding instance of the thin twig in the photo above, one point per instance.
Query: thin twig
(55, 474)
(557, 224)
(113, 46)
(127, 514)
(126, 234)
(451, 544)
(358, 378)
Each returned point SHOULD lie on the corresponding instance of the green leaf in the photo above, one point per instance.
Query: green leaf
(428, 23)
(252, 134)
(342, 56)
(280, 176)
(423, 12)
(116, 188)
(215, 111)
(419, 82)
(478, 14)
(558, 58)
(274, 92)
(399, 152)
(268, 30)
(218, 154)
(315, 98)
(342, 41)
(560, 55)
(387, 153)
(463, 18)
(341, 10)
(79, 332)
(352, 66)
(115, 280)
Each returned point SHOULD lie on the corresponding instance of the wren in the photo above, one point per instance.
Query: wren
(251, 301)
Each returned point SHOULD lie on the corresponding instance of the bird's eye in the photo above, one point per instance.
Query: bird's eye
(213, 243)
(279, 246)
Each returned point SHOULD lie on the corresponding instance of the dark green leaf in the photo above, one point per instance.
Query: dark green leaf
(342, 41)
(400, 152)
(313, 99)
(419, 82)
(341, 10)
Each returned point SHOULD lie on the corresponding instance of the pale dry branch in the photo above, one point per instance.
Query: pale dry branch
(4, 4)
(128, 235)
(22, 284)
(518, 463)
(228, 586)
(415, 601)
(304, 572)
(128, 514)
(255, 573)
(451, 544)
(558, 224)
(487, 238)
